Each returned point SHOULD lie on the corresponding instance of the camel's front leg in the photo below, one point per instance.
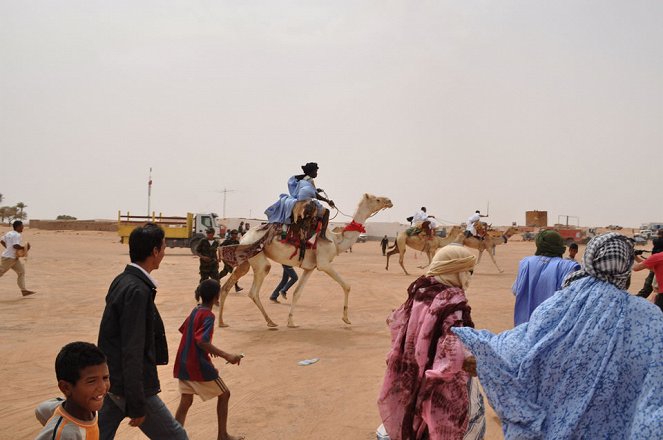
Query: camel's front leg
(401, 257)
(260, 265)
(389, 254)
(329, 270)
(295, 296)
(429, 254)
(490, 254)
(237, 273)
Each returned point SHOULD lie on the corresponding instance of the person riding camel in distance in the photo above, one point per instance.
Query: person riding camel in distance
(472, 223)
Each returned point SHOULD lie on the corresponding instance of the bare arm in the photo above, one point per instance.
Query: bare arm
(214, 351)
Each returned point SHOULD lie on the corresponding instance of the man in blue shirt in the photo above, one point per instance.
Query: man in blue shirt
(541, 275)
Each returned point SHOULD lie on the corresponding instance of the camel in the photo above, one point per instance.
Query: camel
(492, 239)
(422, 244)
(319, 258)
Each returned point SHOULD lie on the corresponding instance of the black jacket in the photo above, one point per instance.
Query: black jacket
(133, 338)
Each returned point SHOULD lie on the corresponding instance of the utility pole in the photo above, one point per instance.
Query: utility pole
(149, 192)
(225, 193)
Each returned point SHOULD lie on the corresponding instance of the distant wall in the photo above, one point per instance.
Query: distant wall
(74, 225)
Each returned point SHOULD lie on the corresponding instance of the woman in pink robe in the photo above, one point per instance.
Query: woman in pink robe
(427, 389)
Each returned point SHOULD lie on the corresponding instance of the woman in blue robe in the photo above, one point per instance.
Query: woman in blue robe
(587, 365)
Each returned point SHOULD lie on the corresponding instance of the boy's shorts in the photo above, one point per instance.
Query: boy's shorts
(206, 390)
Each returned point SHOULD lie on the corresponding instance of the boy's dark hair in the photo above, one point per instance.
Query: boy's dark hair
(143, 240)
(573, 246)
(16, 224)
(75, 356)
(207, 290)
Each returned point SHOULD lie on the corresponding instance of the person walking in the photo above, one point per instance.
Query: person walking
(10, 258)
(428, 389)
(287, 280)
(133, 338)
(207, 250)
(587, 365)
(383, 244)
(227, 268)
(540, 275)
(648, 288)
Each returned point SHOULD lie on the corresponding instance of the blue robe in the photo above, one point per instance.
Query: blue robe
(538, 279)
(281, 210)
(587, 365)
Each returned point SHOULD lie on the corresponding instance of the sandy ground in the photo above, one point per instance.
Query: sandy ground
(272, 397)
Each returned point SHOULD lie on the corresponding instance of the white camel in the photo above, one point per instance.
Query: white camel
(319, 258)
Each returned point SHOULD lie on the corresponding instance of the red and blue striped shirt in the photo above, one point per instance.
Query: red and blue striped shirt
(193, 363)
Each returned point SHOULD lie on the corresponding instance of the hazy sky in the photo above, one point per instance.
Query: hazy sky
(548, 105)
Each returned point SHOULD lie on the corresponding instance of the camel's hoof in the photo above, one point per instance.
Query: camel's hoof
(223, 324)
(347, 321)
(292, 325)
(272, 324)
(501, 270)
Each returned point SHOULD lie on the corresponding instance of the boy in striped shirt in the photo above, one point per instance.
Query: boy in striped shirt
(193, 366)
(83, 378)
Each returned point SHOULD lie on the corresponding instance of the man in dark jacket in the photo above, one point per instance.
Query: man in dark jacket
(209, 262)
(132, 336)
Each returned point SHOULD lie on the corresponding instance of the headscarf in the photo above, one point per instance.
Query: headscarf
(549, 244)
(608, 257)
(309, 167)
(451, 265)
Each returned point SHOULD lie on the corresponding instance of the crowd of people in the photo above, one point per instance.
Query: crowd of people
(583, 360)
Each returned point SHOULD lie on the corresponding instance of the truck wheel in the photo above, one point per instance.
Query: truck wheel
(193, 244)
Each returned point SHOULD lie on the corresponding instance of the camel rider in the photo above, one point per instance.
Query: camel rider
(472, 222)
(419, 216)
(300, 187)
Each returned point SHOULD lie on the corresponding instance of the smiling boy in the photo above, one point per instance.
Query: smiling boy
(83, 378)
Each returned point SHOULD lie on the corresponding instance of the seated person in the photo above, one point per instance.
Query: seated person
(300, 187)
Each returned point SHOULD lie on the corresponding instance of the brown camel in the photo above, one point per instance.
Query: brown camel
(319, 258)
(420, 243)
(492, 239)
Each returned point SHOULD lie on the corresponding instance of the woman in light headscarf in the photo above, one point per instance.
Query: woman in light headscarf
(588, 364)
(427, 392)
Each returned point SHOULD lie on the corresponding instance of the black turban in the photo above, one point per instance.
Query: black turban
(309, 167)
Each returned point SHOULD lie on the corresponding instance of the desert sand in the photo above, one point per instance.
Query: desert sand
(271, 396)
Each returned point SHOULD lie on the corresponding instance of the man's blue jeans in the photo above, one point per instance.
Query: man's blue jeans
(159, 423)
(287, 280)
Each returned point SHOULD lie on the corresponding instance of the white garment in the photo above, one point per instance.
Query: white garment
(149, 277)
(419, 217)
(471, 222)
(11, 238)
(433, 223)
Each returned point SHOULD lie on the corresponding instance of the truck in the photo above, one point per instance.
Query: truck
(180, 231)
(572, 235)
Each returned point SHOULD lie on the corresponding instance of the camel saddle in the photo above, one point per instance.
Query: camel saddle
(305, 223)
(482, 229)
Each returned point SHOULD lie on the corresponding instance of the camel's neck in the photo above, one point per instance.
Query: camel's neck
(348, 238)
(361, 215)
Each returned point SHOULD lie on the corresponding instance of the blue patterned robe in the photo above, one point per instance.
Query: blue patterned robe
(588, 365)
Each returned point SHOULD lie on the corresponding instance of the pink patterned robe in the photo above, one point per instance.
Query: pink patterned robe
(425, 387)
